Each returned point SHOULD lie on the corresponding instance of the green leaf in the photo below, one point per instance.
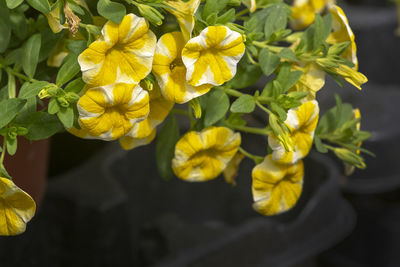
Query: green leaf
(9, 109)
(279, 111)
(327, 25)
(40, 5)
(228, 16)
(31, 54)
(66, 116)
(68, 70)
(268, 61)
(29, 90)
(319, 32)
(11, 4)
(75, 86)
(213, 7)
(165, 148)
(246, 75)
(77, 46)
(111, 10)
(5, 28)
(287, 53)
(276, 20)
(244, 104)
(217, 106)
(41, 125)
(319, 145)
(12, 146)
(53, 107)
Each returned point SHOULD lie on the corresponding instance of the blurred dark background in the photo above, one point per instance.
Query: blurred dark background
(107, 207)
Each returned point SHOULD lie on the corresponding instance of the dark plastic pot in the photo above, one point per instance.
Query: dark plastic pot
(378, 48)
(379, 105)
(212, 224)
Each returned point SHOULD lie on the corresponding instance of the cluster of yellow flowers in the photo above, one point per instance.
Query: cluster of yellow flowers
(133, 80)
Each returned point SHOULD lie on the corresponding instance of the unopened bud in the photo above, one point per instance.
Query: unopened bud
(350, 157)
(48, 91)
(63, 102)
(150, 13)
(71, 97)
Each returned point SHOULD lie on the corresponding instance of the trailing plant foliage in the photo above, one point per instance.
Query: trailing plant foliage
(115, 70)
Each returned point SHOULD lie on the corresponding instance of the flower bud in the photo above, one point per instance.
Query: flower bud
(63, 102)
(71, 97)
(48, 91)
(350, 157)
(150, 13)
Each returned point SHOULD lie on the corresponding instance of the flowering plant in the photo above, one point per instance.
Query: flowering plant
(116, 70)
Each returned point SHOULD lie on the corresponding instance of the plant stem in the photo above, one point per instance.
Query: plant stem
(253, 130)
(242, 13)
(263, 108)
(231, 92)
(257, 159)
(3, 152)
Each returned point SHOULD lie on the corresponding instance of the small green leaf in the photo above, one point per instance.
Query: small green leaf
(244, 104)
(12, 146)
(213, 7)
(268, 61)
(77, 46)
(40, 5)
(287, 53)
(31, 54)
(217, 106)
(41, 125)
(228, 16)
(276, 20)
(53, 107)
(66, 116)
(75, 86)
(319, 32)
(165, 147)
(319, 145)
(11, 4)
(29, 90)
(9, 109)
(111, 10)
(279, 111)
(68, 70)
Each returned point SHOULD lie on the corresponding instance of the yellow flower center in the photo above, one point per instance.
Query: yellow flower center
(176, 63)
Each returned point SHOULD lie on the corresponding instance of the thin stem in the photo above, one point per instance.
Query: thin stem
(263, 108)
(242, 13)
(231, 92)
(3, 152)
(257, 159)
(17, 74)
(253, 130)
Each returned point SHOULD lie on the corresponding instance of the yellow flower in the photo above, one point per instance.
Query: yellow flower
(311, 81)
(350, 75)
(303, 12)
(343, 33)
(124, 53)
(301, 122)
(53, 18)
(231, 171)
(129, 143)
(170, 71)
(109, 112)
(276, 187)
(184, 13)
(202, 156)
(144, 132)
(251, 5)
(211, 57)
(16, 208)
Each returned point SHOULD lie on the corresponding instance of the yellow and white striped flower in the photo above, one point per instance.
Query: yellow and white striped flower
(184, 13)
(303, 12)
(16, 208)
(212, 57)
(129, 143)
(343, 33)
(202, 156)
(276, 187)
(301, 122)
(109, 112)
(170, 71)
(144, 132)
(124, 53)
(311, 81)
